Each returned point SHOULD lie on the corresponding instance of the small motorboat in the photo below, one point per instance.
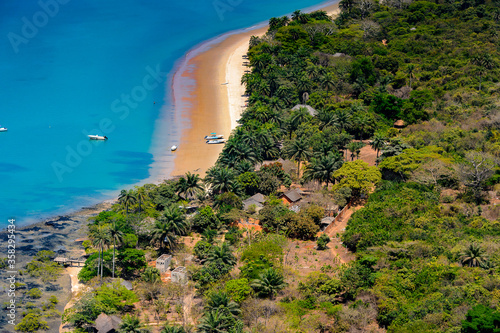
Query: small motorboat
(213, 136)
(173, 148)
(3, 129)
(98, 137)
(213, 142)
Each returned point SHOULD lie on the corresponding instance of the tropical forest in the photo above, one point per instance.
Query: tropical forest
(359, 192)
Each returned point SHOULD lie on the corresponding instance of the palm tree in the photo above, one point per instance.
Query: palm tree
(312, 71)
(269, 149)
(355, 148)
(326, 118)
(298, 150)
(222, 254)
(189, 186)
(249, 139)
(384, 81)
(377, 143)
(117, 236)
(243, 166)
(303, 85)
(221, 179)
(151, 275)
(99, 235)
(173, 329)
(347, 5)
(484, 62)
(170, 225)
(258, 63)
(323, 148)
(208, 235)
(162, 233)
(141, 196)
(322, 168)
(343, 119)
(410, 70)
(285, 94)
(341, 140)
(131, 324)
(299, 116)
(298, 16)
(214, 322)
(176, 218)
(276, 104)
(328, 82)
(220, 300)
(236, 151)
(473, 256)
(269, 283)
(264, 88)
(126, 198)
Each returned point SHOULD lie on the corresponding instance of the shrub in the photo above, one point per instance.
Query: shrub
(205, 219)
(202, 249)
(271, 247)
(233, 235)
(481, 319)
(322, 241)
(238, 289)
(31, 323)
(34, 293)
(301, 226)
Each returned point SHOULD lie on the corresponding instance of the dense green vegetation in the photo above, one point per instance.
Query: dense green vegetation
(425, 234)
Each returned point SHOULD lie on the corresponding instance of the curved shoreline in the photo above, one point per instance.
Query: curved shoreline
(164, 166)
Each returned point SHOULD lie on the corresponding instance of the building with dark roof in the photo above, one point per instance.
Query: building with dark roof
(257, 199)
(309, 109)
(107, 324)
(292, 197)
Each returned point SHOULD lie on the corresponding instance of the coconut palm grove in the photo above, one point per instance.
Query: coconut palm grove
(359, 192)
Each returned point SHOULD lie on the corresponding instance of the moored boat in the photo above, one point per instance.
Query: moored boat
(212, 142)
(98, 137)
(3, 129)
(173, 148)
(213, 136)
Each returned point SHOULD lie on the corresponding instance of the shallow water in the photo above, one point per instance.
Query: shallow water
(72, 68)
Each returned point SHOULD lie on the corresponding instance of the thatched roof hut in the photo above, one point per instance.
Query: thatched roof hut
(107, 324)
(399, 123)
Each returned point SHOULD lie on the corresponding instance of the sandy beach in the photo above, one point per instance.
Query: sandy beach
(212, 98)
(212, 101)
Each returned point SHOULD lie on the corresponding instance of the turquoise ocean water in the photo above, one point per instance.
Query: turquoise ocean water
(69, 68)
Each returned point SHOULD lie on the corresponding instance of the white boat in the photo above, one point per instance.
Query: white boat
(98, 137)
(173, 148)
(213, 142)
(3, 129)
(213, 136)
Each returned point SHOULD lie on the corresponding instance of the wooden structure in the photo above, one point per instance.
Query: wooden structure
(69, 262)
